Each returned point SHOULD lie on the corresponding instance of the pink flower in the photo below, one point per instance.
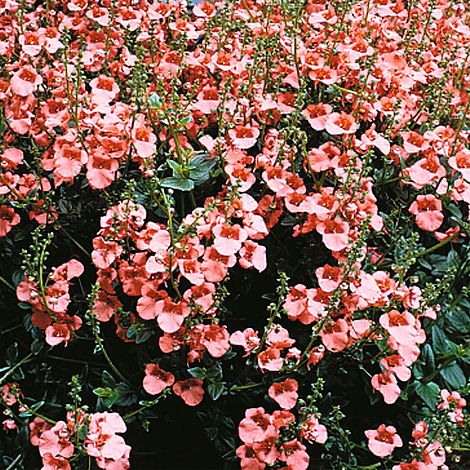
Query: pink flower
(340, 123)
(428, 212)
(247, 339)
(103, 89)
(386, 384)
(434, 454)
(284, 393)
(55, 441)
(216, 340)
(172, 316)
(256, 426)
(329, 277)
(49, 462)
(248, 458)
(400, 325)
(105, 252)
(453, 402)
(156, 379)
(383, 440)
(335, 337)
(25, 81)
(335, 233)
(295, 455)
(317, 115)
(244, 137)
(8, 219)
(57, 333)
(461, 162)
(313, 431)
(228, 238)
(270, 359)
(103, 443)
(414, 142)
(253, 255)
(190, 390)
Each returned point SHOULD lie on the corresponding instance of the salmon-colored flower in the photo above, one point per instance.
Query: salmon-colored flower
(340, 123)
(156, 379)
(25, 81)
(428, 212)
(383, 440)
(284, 393)
(190, 390)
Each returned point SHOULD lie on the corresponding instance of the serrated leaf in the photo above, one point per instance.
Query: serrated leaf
(459, 320)
(427, 356)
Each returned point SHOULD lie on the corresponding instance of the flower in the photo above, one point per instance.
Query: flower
(340, 123)
(228, 238)
(25, 81)
(256, 426)
(313, 431)
(284, 393)
(244, 137)
(190, 390)
(156, 379)
(428, 212)
(386, 384)
(383, 440)
(335, 233)
(8, 219)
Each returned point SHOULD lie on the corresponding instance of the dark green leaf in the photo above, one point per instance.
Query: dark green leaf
(215, 389)
(439, 340)
(453, 376)
(198, 372)
(429, 393)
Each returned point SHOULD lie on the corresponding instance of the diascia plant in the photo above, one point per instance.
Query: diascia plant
(234, 234)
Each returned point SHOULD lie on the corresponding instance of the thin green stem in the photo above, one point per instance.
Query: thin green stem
(15, 367)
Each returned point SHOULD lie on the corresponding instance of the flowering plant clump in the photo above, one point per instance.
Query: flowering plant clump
(235, 234)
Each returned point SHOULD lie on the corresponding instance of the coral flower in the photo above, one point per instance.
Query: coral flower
(244, 137)
(383, 440)
(190, 390)
(26, 81)
(284, 393)
(340, 123)
(428, 212)
(156, 379)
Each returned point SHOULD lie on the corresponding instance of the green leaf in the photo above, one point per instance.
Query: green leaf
(459, 320)
(215, 389)
(429, 393)
(198, 372)
(453, 376)
(107, 379)
(37, 346)
(180, 184)
(175, 167)
(37, 405)
(427, 356)
(154, 101)
(439, 340)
